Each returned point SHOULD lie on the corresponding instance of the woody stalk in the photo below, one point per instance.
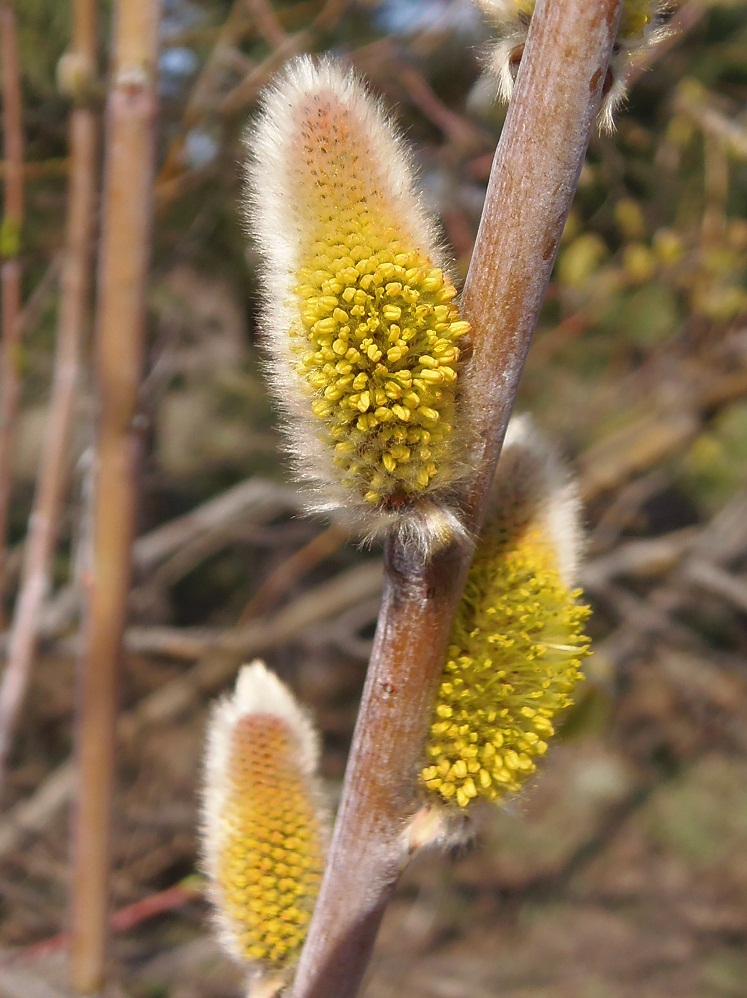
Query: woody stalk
(390, 390)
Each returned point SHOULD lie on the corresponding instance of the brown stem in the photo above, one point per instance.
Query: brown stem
(530, 192)
(73, 319)
(10, 271)
(120, 323)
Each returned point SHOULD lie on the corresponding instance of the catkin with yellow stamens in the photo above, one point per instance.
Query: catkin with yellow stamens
(641, 26)
(359, 314)
(518, 640)
(264, 830)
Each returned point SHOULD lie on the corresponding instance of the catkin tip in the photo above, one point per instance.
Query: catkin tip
(264, 828)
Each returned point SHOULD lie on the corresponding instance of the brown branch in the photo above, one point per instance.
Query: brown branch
(10, 271)
(533, 181)
(125, 919)
(266, 22)
(39, 171)
(282, 579)
(123, 263)
(73, 319)
(245, 92)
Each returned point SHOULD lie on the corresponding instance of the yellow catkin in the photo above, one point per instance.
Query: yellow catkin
(264, 828)
(271, 857)
(518, 640)
(366, 336)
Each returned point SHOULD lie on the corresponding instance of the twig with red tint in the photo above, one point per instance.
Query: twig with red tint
(531, 189)
(278, 583)
(127, 918)
(73, 321)
(120, 326)
(244, 93)
(10, 272)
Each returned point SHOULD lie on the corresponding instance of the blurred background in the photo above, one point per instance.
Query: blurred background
(623, 870)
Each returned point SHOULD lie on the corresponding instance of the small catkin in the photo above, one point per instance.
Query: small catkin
(518, 640)
(264, 831)
(360, 316)
(641, 26)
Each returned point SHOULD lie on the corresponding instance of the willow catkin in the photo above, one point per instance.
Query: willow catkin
(264, 830)
(518, 641)
(359, 316)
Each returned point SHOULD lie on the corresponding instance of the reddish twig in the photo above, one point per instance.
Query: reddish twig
(532, 185)
(266, 22)
(73, 319)
(10, 272)
(123, 264)
(244, 93)
(280, 581)
(127, 918)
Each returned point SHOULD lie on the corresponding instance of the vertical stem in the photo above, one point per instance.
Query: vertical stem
(123, 263)
(534, 178)
(10, 271)
(72, 324)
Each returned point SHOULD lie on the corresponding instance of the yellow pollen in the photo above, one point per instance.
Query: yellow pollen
(367, 293)
(515, 657)
(271, 856)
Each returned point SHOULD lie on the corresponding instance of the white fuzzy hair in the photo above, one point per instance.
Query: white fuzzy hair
(275, 154)
(257, 691)
(513, 28)
(532, 476)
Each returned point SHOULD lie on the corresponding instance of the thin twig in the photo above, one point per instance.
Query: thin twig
(244, 93)
(221, 656)
(124, 920)
(249, 503)
(266, 22)
(10, 271)
(125, 246)
(534, 177)
(52, 476)
(287, 574)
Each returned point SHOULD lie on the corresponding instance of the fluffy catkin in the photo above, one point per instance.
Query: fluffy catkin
(264, 831)
(518, 641)
(359, 315)
(641, 25)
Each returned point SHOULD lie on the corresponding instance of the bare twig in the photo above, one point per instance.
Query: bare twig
(266, 22)
(127, 211)
(10, 270)
(74, 305)
(221, 655)
(244, 93)
(719, 582)
(125, 919)
(278, 583)
(534, 178)
(249, 503)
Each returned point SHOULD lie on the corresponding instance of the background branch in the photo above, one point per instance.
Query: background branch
(72, 325)
(10, 271)
(123, 267)
(532, 184)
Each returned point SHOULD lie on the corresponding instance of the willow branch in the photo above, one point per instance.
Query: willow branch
(120, 322)
(10, 270)
(72, 325)
(531, 188)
